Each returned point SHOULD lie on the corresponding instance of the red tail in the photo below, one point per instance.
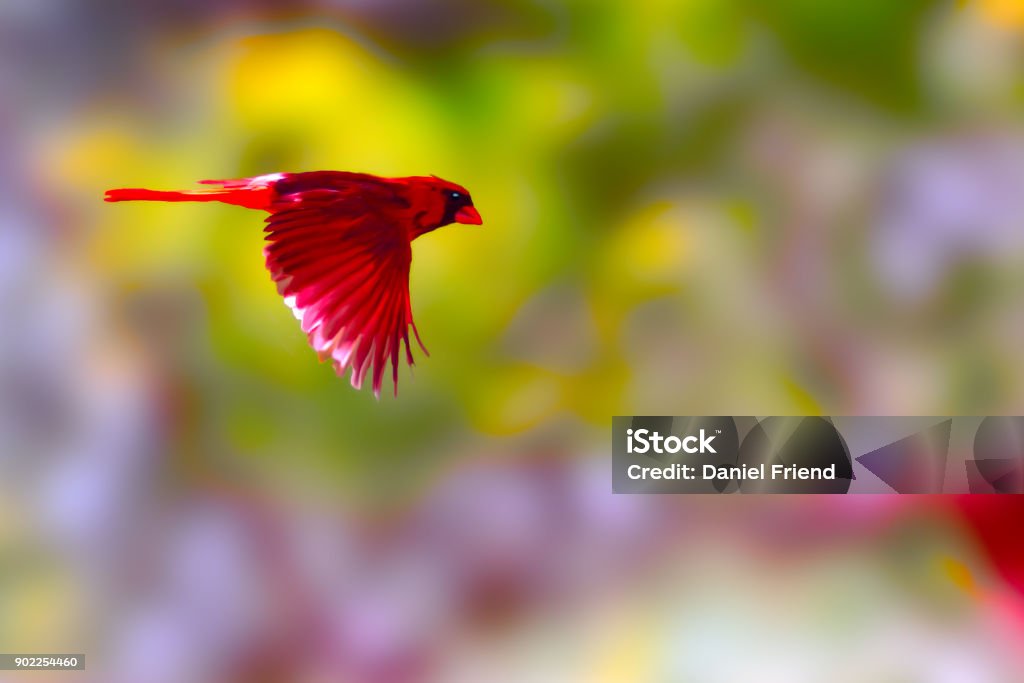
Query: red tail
(251, 197)
(130, 194)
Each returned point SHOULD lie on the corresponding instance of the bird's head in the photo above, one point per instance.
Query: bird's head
(438, 202)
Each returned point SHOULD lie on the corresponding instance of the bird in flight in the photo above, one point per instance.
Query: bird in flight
(339, 249)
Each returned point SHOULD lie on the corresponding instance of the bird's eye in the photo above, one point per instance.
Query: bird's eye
(455, 195)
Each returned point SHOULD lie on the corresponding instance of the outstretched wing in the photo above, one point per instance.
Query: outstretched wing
(343, 268)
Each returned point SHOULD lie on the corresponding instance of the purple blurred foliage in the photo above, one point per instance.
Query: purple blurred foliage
(946, 202)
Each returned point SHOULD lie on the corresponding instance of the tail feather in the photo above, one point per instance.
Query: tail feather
(131, 194)
(234, 192)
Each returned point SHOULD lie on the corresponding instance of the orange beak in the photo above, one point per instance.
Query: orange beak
(468, 215)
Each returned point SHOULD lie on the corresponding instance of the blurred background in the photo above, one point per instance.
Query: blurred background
(696, 207)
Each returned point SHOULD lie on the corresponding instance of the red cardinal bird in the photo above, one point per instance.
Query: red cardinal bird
(339, 251)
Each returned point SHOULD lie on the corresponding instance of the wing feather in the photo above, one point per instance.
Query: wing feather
(343, 269)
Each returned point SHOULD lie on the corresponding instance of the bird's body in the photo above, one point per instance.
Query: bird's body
(339, 249)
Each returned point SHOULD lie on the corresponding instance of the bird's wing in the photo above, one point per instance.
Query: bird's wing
(343, 268)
